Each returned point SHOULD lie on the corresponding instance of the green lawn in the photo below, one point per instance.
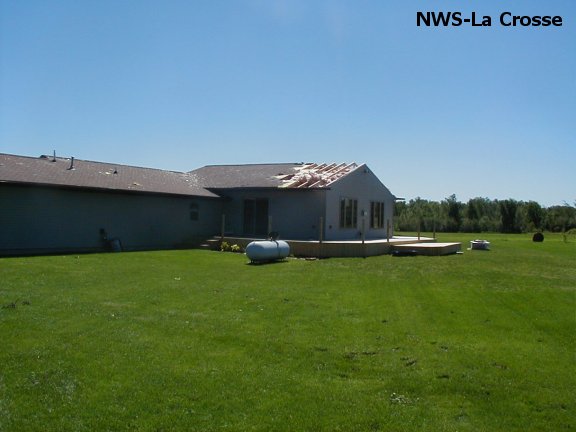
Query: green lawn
(201, 341)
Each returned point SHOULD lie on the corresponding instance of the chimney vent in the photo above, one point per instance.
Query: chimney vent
(71, 167)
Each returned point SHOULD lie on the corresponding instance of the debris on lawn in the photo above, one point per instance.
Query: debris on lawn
(409, 361)
(399, 399)
(12, 305)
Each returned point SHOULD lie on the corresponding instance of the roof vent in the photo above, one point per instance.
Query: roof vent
(54, 157)
(71, 167)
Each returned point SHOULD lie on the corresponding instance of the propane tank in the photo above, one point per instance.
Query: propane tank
(267, 250)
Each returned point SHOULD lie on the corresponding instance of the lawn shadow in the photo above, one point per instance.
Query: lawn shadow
(259, 263)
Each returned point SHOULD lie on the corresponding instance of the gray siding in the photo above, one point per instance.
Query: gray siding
(363, 185)
(42, 220)
(295, 214)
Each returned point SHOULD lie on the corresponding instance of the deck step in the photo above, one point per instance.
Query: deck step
(211, 244)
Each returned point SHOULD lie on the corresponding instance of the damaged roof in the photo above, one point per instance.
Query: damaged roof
(70, 172)
(288, 175)
(77, 173)
(316, 175)
(242, 176)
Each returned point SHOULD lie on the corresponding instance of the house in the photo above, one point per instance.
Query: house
(51, 204)
(301, 201)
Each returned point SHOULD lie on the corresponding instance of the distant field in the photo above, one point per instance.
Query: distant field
(202, 341)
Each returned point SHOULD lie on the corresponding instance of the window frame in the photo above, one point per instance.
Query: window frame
(348, 213)
(377, 214)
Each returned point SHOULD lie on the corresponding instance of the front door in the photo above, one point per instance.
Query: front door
(256, 217)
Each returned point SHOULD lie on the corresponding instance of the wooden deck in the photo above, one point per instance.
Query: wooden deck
(352, 248)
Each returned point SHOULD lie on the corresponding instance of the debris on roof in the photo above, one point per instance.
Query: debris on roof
(313, 175)
(77, 173)
(242, 176)
(205, 181)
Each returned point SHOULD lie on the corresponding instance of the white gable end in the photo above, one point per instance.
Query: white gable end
(363, 190)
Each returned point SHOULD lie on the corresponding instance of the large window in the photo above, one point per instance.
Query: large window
(348, 213)
(376, 215)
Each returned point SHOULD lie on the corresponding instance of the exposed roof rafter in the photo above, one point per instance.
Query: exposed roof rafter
(316, 175)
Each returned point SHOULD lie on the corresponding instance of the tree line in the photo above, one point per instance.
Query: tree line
(482, 215)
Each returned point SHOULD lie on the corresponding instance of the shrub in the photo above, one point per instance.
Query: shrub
(227, 247)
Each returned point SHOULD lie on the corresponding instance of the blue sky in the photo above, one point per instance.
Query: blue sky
(171, 84)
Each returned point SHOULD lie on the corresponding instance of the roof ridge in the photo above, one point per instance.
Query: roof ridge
(72, 172)
(256, 164)
(68, 158)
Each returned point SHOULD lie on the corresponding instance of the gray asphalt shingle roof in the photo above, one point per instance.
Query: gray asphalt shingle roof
(287, 175)
(243, 176)
(46, 170)
(97, 175)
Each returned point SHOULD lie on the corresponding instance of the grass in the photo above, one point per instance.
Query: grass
(201, 341)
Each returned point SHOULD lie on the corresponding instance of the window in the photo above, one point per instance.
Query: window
(376, 214)
(194, 211)
(348, 213)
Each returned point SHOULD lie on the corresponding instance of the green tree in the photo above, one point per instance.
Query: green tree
(534, 215)
(508, 210)
(453, 208)
(560, 218)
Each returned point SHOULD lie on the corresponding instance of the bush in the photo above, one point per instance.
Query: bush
(227, 247)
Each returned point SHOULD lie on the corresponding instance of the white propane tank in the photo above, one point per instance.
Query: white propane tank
(267, 250)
